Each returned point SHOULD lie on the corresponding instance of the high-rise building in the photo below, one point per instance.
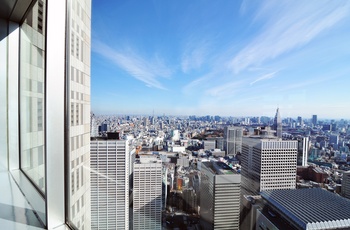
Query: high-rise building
(233, 140)
(268, 164)
(334, 139)
(109, 160)
(303, 151)
(220, 196)
(314, 120)
(45, 106)
(300, 121)
(147, 194)
(277, 124)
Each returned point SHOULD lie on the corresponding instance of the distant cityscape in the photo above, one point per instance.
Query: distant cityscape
(212, 172)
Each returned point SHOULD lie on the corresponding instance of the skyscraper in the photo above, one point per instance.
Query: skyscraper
(220, 196)
(314, 120)
(300, 121)
(45, 99)
(268, 164)
(277, 124)
(147, 195)
(109, 160)
(233, 140)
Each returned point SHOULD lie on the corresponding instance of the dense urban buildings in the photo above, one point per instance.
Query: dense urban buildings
(180, 172)
(109, 160)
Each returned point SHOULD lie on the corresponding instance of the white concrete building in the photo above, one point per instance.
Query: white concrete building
(109, 184)
(268, 164)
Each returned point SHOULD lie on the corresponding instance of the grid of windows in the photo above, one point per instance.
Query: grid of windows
(268, 164)
(109, 184)
(147, 195)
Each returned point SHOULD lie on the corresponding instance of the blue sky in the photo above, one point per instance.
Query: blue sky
(228, 58)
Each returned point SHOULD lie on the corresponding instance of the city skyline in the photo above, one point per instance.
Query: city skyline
(233, 58)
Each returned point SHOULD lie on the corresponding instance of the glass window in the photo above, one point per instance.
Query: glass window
(32, 95)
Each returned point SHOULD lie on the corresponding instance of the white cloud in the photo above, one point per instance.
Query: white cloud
(264, 77)
(289, 25)
(147, 71)
(194, 55)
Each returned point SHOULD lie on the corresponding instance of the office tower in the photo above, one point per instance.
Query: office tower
(268, 164)
(300, 121)
(147, 195)
(303, 151)
(345, 189)
(45, 105)
(93, 126)
(233, 140)
(334, 139)
(277, 124)
(220, 196)
(314, 120)
(109, 160)
(302, 209)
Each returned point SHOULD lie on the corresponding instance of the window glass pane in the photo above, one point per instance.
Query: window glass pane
(32, 96)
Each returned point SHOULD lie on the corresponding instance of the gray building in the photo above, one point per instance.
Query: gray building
(268, 164)
(220, 196)
(209, 144)
(314, 120)
(147, 195)
(233, 140)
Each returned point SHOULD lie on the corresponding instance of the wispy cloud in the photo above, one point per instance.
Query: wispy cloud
(225, 90)
(194, 55)
(264, 77)
(145, 70)
(291, 25)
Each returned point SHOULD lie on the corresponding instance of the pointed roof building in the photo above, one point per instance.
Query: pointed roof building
(277, 124)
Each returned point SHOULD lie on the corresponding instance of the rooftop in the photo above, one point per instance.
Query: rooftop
(219, 167)
(311, 208)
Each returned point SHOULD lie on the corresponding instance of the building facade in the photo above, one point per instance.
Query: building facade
(220, 196)
(109, 160)
(78, 100)
(233, 140)
(147, 195)
(268, 164)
